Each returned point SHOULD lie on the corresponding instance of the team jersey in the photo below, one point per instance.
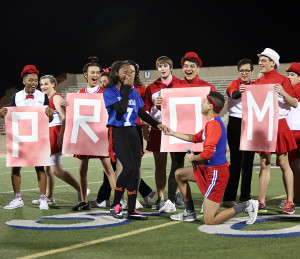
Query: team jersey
(215, 141)
(56, 117)
(196, 82)
(112, 95)
(39, 99)
(153, 91)
(234, 106)
(294, 115)
(92, 90)
(274, 77)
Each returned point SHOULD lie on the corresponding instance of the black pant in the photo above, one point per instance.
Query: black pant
(127, 147)
(177, 162)
(239, 160)
(104, 191)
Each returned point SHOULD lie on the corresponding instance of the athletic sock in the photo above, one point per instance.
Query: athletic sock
(240, 207)
(43, 197)
(118, 195)
(131, 201)
(189, 206)
(17, 195)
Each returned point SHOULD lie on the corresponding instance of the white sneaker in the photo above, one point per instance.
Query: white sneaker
(16, 203)
(123, 203)
(201, 211)
(101, 204)
(50, 201)
(229, 204)
(79, 194)
(185, 216)
(138, 205)
(148, 198)
(168, 207)
(252, 210)
(44, 205)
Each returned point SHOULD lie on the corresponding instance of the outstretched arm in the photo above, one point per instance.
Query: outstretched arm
(186, 137)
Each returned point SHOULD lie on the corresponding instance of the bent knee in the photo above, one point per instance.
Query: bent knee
(210, 221)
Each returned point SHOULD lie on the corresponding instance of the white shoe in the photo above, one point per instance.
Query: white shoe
(201, 211)
(185, 216)
(50, 201)
(44, 205)
(229, 204)
(252, 210)
(123, 203)
(101, 204)
(138, 205)
(168, 207)
(148, 198)
(16, 203)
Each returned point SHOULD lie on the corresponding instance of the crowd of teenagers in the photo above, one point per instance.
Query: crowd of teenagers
(134, 114)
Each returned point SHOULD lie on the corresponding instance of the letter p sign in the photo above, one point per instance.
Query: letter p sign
(17, 138)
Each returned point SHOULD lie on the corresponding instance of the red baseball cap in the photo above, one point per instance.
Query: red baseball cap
(295, 67)
(192, 55)
(29, 69)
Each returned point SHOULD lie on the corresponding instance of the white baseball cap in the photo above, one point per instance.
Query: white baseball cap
(272, 54)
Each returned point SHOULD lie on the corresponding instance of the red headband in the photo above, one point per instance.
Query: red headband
(212, 102)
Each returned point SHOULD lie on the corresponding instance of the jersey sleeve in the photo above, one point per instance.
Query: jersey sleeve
(213, 133)
(110, 97)
(197, 138)
(233, 86)
(288, 88)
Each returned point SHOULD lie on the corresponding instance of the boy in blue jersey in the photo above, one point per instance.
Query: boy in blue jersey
(210, 169)
(124, 105)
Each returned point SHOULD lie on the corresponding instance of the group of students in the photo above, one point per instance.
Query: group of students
(134, 112)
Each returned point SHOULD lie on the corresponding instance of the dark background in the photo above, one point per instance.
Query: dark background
(59, 36)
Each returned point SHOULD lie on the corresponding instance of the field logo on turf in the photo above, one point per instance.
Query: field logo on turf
(99, 219)
(234, 228)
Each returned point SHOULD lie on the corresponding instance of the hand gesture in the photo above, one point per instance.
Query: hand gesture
(242, 88)
(279, 89)
(49, 112)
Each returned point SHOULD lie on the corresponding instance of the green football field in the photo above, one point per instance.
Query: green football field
(28, 232)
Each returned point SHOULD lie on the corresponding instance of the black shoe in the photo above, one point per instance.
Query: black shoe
(137, 215)
(158, 204)
(81, 206)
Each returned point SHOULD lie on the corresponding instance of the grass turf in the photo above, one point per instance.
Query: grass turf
(159, 237)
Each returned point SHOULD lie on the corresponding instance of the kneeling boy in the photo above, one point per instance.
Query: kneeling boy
(210, 169)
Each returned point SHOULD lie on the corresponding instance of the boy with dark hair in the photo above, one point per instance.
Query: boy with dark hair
(191, 65)
(239, 160)
(210, 169)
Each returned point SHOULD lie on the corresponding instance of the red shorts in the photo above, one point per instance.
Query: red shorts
(285, 139)
(212, 181)
(53, 134)
(295, 153)
(88, 156)
(155, 139)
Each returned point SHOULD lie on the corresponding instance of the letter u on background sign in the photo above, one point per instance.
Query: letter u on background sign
(86, 119)
(260, 118)
(27, 136)
(181, 111)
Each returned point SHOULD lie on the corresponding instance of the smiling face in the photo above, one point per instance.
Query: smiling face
(164, 70)
(92, 76)
(294, 77)
(47, 87)
(31, 82)
(265, 65)
(190, 70)
(245, 72)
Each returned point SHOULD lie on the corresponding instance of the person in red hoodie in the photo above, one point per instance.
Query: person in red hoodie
(293, 121)
(191, 64)
(268, 63)
(152, 99)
